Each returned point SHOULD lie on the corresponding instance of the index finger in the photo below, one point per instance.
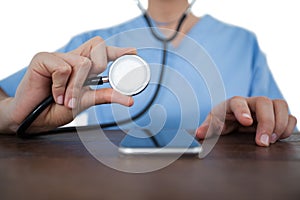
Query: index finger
(96, 50)
(101, 54)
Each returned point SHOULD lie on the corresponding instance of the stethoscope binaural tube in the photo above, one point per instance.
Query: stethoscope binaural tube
(165, 42)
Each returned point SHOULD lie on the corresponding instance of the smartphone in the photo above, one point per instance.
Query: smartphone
(164, 142)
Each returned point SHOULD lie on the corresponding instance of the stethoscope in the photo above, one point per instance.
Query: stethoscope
(120, 73)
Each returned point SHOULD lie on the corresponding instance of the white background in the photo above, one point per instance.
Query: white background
(31, 26)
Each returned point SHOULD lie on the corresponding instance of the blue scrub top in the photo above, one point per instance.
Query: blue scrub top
(213, 62)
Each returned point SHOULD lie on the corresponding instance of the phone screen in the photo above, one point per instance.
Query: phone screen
(165, 141)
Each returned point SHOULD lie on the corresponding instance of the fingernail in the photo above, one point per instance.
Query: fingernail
(200, 133)
(60, 99)
(72, 103)
(273, 138)
(264, 139)
(246, 115)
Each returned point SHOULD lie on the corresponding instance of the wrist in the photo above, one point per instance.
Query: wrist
(8, 125)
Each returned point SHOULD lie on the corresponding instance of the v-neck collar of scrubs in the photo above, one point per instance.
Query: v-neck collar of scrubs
(200, 27)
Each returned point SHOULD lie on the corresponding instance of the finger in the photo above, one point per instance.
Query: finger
(281, 119)
(212, 125)
(100, 55)
(241, 111)
(103, 96)
(60, 79)
(214, 122)
(115, 52)
(263, 108)
(56, 69)
(85, 48)
(75, 85)
(80, 69)
(95, 50)
(202, 130)
(292, 122)
(99, 58)
(228, 115)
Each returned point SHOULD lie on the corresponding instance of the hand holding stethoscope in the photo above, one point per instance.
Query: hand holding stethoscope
(136, 86)
(66, 74)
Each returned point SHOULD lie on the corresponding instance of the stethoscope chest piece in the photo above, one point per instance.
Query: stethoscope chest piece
(129, 75)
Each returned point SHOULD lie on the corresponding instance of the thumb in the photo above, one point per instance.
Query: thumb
(212, 125)
(202, 130)
(104, 96)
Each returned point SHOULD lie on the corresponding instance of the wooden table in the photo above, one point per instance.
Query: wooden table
(60, 167)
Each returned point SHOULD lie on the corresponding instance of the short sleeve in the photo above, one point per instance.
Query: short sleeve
(263, 82)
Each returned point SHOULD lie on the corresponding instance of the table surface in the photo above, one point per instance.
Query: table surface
(59, 166)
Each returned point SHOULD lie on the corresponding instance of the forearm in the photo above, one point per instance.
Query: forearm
(7, 124)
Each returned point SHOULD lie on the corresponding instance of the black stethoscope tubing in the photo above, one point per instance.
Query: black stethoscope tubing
(165, 42)
(21, 132)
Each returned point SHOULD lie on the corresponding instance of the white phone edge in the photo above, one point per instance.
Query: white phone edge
(141, 151)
